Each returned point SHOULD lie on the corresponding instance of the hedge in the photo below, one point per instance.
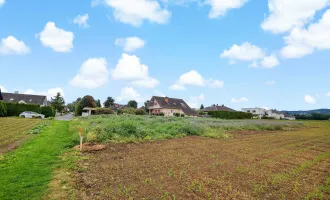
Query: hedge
(3, 109)
(104, 111)
(230, 115)
(48, 111)
(15, 109)
(140, 112)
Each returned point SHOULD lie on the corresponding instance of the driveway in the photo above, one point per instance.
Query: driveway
(67, 117)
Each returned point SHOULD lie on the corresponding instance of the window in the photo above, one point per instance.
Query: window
(254, 111)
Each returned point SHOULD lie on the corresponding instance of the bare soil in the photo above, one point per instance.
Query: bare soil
(252, 165)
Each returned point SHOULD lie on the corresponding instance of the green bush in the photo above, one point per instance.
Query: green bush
(119, 112)
(161, 114)
(140, 112)
(15, 109)
(182, 115)
(3, 109)
(48, 111)
(230, 115)
(104, 111)
(177, 114)
(129, 110)
(265, 117)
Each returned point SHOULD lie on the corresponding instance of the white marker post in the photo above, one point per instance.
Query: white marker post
(81, 138)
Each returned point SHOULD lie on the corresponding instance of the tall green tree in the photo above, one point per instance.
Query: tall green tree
(58, 102)
(202, 107)
(109, 102)
(98, 103)
(86, 101)
(146, 105)
(132, 104)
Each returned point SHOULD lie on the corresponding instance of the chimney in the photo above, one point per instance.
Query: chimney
(166, 99)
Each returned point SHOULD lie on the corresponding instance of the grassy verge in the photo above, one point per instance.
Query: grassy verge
(26, 172)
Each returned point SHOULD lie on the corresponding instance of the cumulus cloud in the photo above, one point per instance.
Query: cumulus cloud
(304, 41)
(221, 7)
(246, 52)
(93, 74)
(270, 83)
(159, 93)
(11, 45)
(137, 11)
(254, 64)
(128, 93)
(130, 68)
(310, 99)
(270, 61)
(285, 15)
(239, 100)
(328, 94)
(57, 39)
(2, 2)
(195, 101)
(130, 44)
(193, 78)
(3, 89)
(50, 93)
(81, 20)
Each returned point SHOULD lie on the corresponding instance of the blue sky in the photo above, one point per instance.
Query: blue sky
(243, 53)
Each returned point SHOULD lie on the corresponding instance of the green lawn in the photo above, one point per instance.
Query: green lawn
(26, 172)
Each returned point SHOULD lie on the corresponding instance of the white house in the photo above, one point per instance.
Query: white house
(261, 112)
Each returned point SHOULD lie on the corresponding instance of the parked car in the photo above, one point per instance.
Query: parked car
(29, 114)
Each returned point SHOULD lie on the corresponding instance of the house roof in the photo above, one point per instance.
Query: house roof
(217, 108)
(27, 98)
(117, 106)
(173, 103)
(276, 111)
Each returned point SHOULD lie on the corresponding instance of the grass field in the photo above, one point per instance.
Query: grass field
(13, 131)
(254, 164)
(26, 172)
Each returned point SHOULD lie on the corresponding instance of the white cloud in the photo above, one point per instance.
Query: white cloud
(328, 94)
(270, 61)
(310, 99)
(146, 83)
(93, 74)
(303, 41)
(195, 101)
(221, 7)
(215, 83)
(159, 93)
(127, 94)
(130, 68)
(239, 100)
(246, 51)
(11, 45)
(254, 64)
(81, 20)
(2, 2)
(50, 93)
(3, 89)
(286, 14)
(270, 83)
(130, 44)
(57, 39)
(137, 11)
(177, 87)
(193, 78)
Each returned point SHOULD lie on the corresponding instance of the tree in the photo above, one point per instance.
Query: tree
(86, 101)
(109, 102)
(58, 102)
(146, 105)
(98, 103)
(202, 107)
(132, 104)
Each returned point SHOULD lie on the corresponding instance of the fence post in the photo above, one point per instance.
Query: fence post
(81, 138)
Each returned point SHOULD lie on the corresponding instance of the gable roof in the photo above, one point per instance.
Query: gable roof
(173, 103)
(27, 98)
(218, 108)
(117, 106)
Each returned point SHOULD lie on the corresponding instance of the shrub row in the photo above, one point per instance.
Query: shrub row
(104, 111)
(230, 115)
(48, 111)
(3, 109)
(131, 111)
(15, 109)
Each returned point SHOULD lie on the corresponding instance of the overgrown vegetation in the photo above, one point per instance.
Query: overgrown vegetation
(130, 128)
(230, 115)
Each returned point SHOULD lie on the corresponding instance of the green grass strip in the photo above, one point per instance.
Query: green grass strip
(26, 172)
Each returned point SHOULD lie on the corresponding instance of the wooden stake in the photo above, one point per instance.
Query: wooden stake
(81, 138)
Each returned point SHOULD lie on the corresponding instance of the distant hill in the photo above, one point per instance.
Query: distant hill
(308, 112)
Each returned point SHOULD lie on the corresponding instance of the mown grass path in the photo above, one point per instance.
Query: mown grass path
(26, 172)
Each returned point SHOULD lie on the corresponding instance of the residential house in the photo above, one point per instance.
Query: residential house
(289, 117)
(274, 114)
(262, 112)
(117, 106)
(216, 107)
(25, 98)
(169, 106)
